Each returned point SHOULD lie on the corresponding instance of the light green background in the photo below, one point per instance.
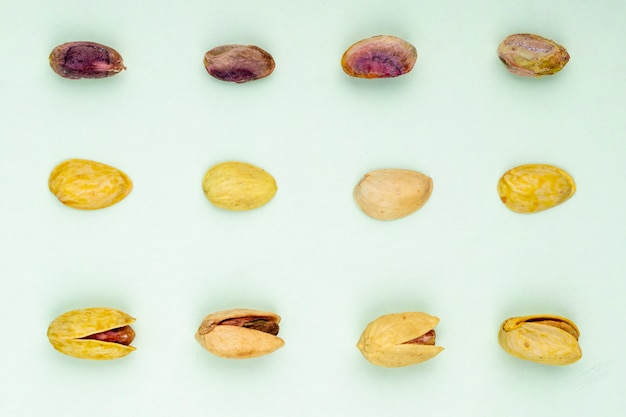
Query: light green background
(168, 257)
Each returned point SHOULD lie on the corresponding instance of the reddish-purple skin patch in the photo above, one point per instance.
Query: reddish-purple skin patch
(238, 63)
(76, 60)
(379, 57)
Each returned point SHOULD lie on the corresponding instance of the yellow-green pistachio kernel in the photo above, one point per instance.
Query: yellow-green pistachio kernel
(531, 55)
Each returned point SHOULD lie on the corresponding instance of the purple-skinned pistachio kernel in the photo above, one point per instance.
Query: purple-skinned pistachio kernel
(238, 63)
(76, 60)
(382, 56)
(529, 55)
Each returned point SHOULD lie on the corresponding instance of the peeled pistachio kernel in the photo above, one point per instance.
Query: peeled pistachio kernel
(535, 187)
(93, 333)
(238, 63)
(75, 60)
(401, 339)
(382, 56)
(389, 194)
(240, 333)
(88, 185)
(238, 186)
(543, 338)
(531, 55)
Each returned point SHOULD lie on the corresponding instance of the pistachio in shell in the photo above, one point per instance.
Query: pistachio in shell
(545, 339)
(400, 339)
(238, 63)
(240, 333)
(382, 56)
(390, 194)
(535, 187)
(529, 55)
(238, 186)
(96, 333)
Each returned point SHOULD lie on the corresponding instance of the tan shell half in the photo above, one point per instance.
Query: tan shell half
(65, 333)
(529, 339)
(88, 185)
(390, 194)
(235, 342)
(382, 342)
(535, 187)
(238, 186)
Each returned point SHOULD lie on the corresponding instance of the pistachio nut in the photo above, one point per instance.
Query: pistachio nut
(76, 60)
(238, 186)
(401, 339)
(240, 333)
(382, 56)
(390, 194)
(88, 185)
(531, 55)
(238, 63)
(535, 187)
(544, 338)
(93, 333)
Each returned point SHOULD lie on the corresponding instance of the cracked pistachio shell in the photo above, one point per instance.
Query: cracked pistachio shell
(390, 194)
(236, 342)
(66, 332)
(535, 187)
(88, 185)
(532, 338)
(238, 186)
(383, 342)
(529, 55)
(382, 56)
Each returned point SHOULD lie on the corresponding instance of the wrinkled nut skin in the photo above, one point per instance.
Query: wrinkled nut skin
(238, 186)
(237, 342)
(535, 187)
(382, 56)
(88, 185)
(238, 63)
(529, 55)
(390, 194)
(544, 339)
(68, 332)
(76, 60)
(384, 340)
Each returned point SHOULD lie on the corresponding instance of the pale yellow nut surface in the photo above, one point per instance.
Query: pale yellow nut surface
(382, 342)
(238, 186)
(535, 187)
(390, 194)
(234, 342)
(88, 185)
(529, 339)
(65, 333)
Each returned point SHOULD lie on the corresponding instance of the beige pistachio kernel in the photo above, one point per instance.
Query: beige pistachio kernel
(76, 60)
(545, 339)
(238, 63)
(401, 339)
(88, 185)
(390, 194)
(238, 186)
(531, 55)
(93, 333)
(240, 333)
(382, 56)
(535, 187)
